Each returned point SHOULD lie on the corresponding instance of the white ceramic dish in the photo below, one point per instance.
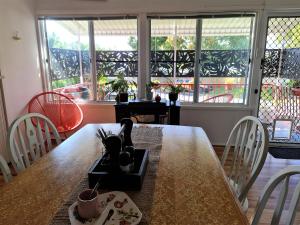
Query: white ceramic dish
(116, 209)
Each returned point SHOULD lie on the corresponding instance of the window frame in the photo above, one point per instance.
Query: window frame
(199, 18)
(144, 51)
(44, 49)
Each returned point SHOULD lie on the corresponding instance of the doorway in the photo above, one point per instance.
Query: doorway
(279, 102)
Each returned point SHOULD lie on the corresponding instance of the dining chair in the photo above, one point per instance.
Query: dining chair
(28, 142)
(283, 177)
(244, 155)
(5, 169)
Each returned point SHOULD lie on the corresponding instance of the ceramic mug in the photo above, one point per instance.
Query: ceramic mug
(88, 205)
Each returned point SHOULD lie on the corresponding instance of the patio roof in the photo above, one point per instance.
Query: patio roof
(163, 27)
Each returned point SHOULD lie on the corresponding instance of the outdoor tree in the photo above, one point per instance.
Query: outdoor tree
(167, 43)
(189, 43)
(54, 41)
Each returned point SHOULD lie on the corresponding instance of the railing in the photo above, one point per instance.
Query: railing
(206, 91)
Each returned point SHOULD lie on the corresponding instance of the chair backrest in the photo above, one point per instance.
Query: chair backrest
(60, 109)
(5, 169)
(248, 145)
(283, 177)
(27, 142)
(223, 98)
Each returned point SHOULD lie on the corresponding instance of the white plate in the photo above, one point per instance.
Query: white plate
(125, 212)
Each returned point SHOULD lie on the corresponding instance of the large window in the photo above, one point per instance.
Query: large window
(71, 56)
(173, 55)
(223, 46)
(116, 54)
(208, 55)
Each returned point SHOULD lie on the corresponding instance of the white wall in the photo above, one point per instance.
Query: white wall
(148, 6)
(18, 59)
(215, 120)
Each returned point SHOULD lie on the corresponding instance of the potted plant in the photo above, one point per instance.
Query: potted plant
(175, 89)
(101, 86)
(295, 85)
(120, 86)
(149, 87)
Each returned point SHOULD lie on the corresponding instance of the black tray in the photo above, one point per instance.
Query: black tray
(120, 180)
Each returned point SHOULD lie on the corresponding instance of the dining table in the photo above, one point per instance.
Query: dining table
(190, 185)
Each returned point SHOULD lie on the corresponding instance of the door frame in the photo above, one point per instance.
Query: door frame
(259, 55)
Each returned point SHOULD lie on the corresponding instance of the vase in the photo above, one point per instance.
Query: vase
(173, 96)
(123, 97)
(149, 96)
(157, 98)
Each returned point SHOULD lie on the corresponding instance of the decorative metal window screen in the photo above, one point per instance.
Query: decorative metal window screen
(214, 63)
(280, 74)
(65, 63)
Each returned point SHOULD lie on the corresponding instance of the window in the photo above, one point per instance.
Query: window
(223, 50)
(69, 58)
(208, 55)
(116, 53)
(224, 59)
(173, 55)
(72, 57)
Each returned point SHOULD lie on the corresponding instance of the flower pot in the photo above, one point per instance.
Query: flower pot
(123, 97)
(296, 91)
(173, 96)
(149, 96)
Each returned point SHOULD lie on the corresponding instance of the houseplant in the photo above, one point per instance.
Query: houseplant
(174, 90)
(295, 85)
(120, 86)
(149, 87)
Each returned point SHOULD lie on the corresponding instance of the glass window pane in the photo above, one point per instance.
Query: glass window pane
(68, 47)
(173, 55)
(224, 59)
(116, 44)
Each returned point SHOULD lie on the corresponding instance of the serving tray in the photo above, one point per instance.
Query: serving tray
(119, 180)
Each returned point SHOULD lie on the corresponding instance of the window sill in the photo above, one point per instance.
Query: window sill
(184, 105)
(210, 106)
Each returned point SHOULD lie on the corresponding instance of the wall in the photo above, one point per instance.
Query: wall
(216, 121)
(18, 59)
(148, 6)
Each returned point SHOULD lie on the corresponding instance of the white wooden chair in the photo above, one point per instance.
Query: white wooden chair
(5, 170)
(248, 148)
(29, 137)
(283, 177)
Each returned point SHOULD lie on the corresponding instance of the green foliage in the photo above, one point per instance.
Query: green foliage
(166, 43)
(225, 42)
(65, 82)
(120, 85)
(294, 83)
(54, 41)
(175, 88)
(152, 85)
(102, 79)
(132, 42)
(291, 37)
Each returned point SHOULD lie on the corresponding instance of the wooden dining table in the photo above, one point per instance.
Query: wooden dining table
(190, 184)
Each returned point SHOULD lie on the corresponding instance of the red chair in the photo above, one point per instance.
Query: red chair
(60, 109)
(223, 98)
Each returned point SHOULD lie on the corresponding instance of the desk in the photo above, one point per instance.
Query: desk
(132, 108)
(190, 183)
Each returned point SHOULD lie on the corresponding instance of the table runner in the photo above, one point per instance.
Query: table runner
(143, 137)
